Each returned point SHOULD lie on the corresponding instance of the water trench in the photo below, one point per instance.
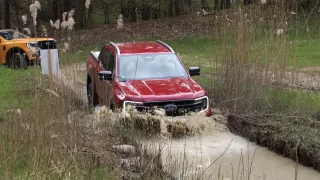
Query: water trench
(200, 147)
(215, 152)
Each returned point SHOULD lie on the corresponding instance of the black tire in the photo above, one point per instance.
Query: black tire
(90, 96)
(112, 106)
(18, 61)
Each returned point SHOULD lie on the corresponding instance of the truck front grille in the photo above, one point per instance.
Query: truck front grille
(181, 107)
(47, 45)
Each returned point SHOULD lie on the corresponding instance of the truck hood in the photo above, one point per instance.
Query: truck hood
(25, 40)
(161, 89)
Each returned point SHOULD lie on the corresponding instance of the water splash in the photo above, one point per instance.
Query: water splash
(158, 123)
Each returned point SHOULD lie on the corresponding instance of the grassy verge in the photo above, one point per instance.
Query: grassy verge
(17, 88)
(283, 119)
(53, 137)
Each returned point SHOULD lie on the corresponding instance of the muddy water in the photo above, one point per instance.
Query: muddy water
(194, 157)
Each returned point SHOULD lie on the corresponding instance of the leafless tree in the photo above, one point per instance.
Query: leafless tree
(7, 14)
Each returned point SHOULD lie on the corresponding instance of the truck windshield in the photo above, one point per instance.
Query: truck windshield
(8, 35)
(150, 66)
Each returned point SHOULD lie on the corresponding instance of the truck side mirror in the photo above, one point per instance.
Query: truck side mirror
(194, 71)
(105, 75)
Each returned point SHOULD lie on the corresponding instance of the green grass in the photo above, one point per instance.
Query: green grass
(301, 52)
(17, 87)
(301, 47)
(293, 100)
(78, 56)
(304, 53)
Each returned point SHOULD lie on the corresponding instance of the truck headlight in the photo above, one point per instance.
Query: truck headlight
(204, 101)
(131, 104)
(32, 45)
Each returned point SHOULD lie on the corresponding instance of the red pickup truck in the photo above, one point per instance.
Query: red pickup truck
(144, 75)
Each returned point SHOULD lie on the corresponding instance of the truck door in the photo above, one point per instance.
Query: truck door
(104, 87)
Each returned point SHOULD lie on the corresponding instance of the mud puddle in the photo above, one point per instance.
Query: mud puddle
(225, 155)
(211, 151)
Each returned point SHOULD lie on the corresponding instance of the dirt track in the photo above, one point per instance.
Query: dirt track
(305, 78)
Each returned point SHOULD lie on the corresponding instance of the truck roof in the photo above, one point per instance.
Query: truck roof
(6, 30)
(142, 47)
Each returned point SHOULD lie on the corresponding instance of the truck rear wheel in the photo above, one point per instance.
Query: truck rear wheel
(90, 96)
(18, 61)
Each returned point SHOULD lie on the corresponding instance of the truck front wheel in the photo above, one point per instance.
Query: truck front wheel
(18, 61)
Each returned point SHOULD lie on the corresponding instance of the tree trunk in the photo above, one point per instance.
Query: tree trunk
(145, 10)
(122, 9)
(182, 6)
(7, 14)
(66, 5)
(16, 8)
(228, 4)
(225, 4)
(159, 9)
(80, 9)
(90, 19)
(305, 3)
(177, 7)
(131, 8)
(55, 10)
(204, 5)
(170, 8)
(189, 4)
(1, 14)
(60, 8)
(105, 6)
(155, 10)
(216, 4)
(246, 2)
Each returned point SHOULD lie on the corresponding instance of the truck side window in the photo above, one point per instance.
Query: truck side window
(104, 59)
(107, 60)
(111, 62)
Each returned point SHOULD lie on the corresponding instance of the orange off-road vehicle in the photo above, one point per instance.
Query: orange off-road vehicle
(21, 51)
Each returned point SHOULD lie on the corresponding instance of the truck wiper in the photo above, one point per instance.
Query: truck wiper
(123, 80)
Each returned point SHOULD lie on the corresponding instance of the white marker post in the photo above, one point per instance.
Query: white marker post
(49, 62)
(50, 67)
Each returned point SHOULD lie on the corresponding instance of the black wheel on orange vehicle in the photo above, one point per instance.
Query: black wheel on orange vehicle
(18, 61)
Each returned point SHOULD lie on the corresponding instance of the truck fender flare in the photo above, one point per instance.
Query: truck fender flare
(16, 50)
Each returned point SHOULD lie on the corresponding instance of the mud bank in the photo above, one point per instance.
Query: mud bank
(293, 137)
